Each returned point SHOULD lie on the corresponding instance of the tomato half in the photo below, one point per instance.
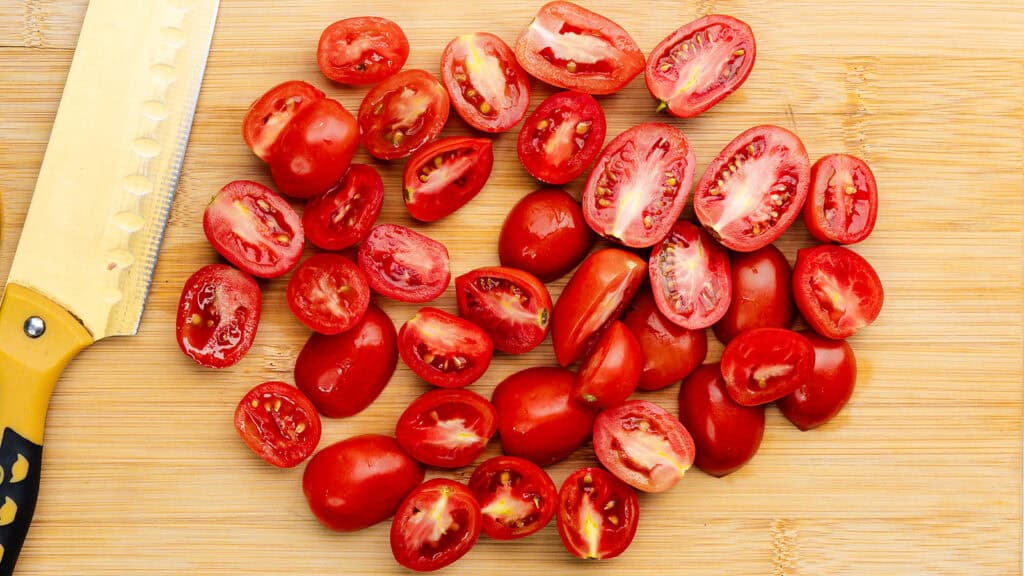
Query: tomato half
(269, 115)
(487, 86)
(571, 47)
(762, 294)
(517, 497)
(669, 352)
(444, 175)
(700, 64)
(754, 190)
(436, 525)
(843, 203)
(597, 514)
(512, 306)
(836, 290)
(824, 394)
(612, 371)
(328, 293)
(690, 277)
(362, 50)
(639, 185)
(314, 149)
(342, 216)
(643, 445)
(447, 428)
(218, 313)
(765, 364)
(443, 349)
(403, 264)
(562, 137)
(545, 234)
(278, 423)
(402, 113)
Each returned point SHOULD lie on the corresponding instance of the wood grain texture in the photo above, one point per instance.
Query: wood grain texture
(921, 474)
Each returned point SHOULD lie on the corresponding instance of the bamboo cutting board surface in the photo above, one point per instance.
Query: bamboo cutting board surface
(920, 474)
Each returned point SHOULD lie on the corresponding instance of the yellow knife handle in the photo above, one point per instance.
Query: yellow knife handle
(38, 338)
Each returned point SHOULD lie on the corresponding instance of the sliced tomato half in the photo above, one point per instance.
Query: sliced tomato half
(512, 306)
(690, 277)
(444, 175)
(487, 86)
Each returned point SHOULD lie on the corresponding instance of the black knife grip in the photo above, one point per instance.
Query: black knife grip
(20, 461)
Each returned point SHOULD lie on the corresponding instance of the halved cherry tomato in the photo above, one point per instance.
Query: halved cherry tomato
(517, 497)
(545, 234)
(643, 445)
(843, 203)
(669, 351)
(328, 293)
(765, 364)
(436, 525)
(342, 216)
(597, 514)
(443, 349)
(690, 277)
(403, 264)
(512, 306)
(218, 314)
(762, 294)
(255, 229)
(402, 113)
(272, 112)
(487, 86)
(444, 175)
(836, 290)
(362, 50)
(595, 296)
(278, 423)
(571, 47)
(824, 394)
(447, 428)
(754, 190)
(562, 137)
(314, 149)
(612, 371)
(700, 64)
(639, 185)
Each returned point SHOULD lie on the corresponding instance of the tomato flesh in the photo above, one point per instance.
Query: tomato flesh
(444, 175)
(765, 364)
(690, 277)
(643, 445)
(545, 234)
(447, 428)
(843, 202)
(836, 290)
(401, 114)
(668, 351)
(278, 423)
(403, 264)
(271, 113)
(517, 498)
(328, 293)
(762, 294)
(218, 313)
(487, 86)
(362, 50)
(512, 306)
(597, 514)
(612, 371)
(823, 395)
(342, 216)
(562, 137)
(443, 349)
(436, 525)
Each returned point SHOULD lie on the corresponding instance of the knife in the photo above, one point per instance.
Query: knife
(87, 251)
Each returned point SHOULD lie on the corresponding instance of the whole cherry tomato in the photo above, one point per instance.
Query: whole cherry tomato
(824, 394)
(762, 294)
(314, 149)
(545, 234)
(669, 351)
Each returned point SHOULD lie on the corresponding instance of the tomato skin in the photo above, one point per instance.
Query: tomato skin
(669, 352)
(545, 234)
(643, 445)
(843, 202)
(468, 64)
(432, 338)
(762, 293)
(612, 371)
(344, 373)
(342, 216)
(328, 293)
(314, 149)
(358, 482)
(512, 306)
(218, 313)
(591, 494)
(274, 434)
(823, 395)
(381, 44)
(419, 547)
(562, 137)
(445, 175)
(690, 277)
(401, 114)
(765, 364)
(272, 112)
(826, 276)
(517, 497)
(403, 264)
(433, 427)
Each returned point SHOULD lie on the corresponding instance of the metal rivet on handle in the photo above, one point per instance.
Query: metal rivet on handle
(34, 327)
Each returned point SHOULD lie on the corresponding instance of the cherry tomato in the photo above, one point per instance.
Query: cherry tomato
(512, 306)
(836, 290)
(278, 423)
(444, 175)
(754, 190)
(272, 112)
(255, 229)
(342, 216)
(639, 185)
(538, 419)
(595, 296)
(690, 277)
(344, 373)
(362, 50)
(824, 394)
(597, 514)
(545, 234)
(765, 364)
(403, 264)
(328, 293)
(436, 525)
(612, 371)
(843, 203)
(643, 445)
(443, 349)
(487, 86)
(726, 434)
(762, 294)
(358, 482)
(700, 64)
(517, 497)
(669, 351)
(447, 428)
(314, 149)
(217, 315)
(562, 137)
(571, 47)
(402, 113)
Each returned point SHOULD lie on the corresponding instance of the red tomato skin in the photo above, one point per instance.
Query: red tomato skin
(302, 443)
(762, 293)
(508, 336)
(468, 530)
(668, 351)
(545, 234)
(820, 214)
(314, 150)
(304, 288)
(566, 118)
(425, 126)
(428, 204)
(612, 371)
(342, 216)
(810, 265)
(475, 347)
(390, 50)
(517, 92)
(210, 294)
(760, 349)
(684, 244)
(416, 444)
(538, 488)
(429, 259)
(823, 395)
(271, 113)
(626, 510)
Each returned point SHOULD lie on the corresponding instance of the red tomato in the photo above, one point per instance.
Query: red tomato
(545, 234)
(443, 349)
(344, 373)
(690, 277)
(571, 47)
(278, 423)
(562, 137)
(447, 428)
(512, 306)
(272, 112)
(843, 203)
(359, 482)
(821, 396)
(765, 364)
(612, 371)
(362, 50)
(726, 434)
(762, 294)
(700, 64)
(328, 293)
(639, 185)
(342, 216)
(217, 315)
(402, 113)
(403, 264)
(436, 525)
(597, 514)
(595, 296)
(836, 290)
(314, 149)
(538, 419)
(643, 445)
(487, 86)
(754, 190)
(669, 351)
(255, 229)
(517, 497)
(444, 175)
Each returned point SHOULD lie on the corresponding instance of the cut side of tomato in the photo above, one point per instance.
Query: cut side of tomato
(278, 423)
(444, 175)
(362, 50)
(512, 306)
(643, 445)
(436, 525)
(342, 217)
(843, 203)
(403, 113)
(328, 293)
(403, 264)
(272, 112)
(562, 137)
(447, 428)
(836, 290)
(218, 313)
(517, 498)
(487, 86)
(690, 277)
(443, 349)
(765, 364)
(597, 514)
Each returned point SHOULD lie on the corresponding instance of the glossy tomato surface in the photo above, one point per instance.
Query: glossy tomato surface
(843, 203)
(517, 497)
(443, 349)
(328, 293)
(436, 525)
(218, 313)
(447, 428)
(314, 149)
(690, 277)
(597, 514)
(643, 445)
(342, 216)
(836, 290)
(545, 234)
(765, 364)
(403, 264)
(444, 175)
(562, 137)
(829, 388)
(487, 86)
(269, 114)
(401, 114)
(512, 306)
(362, 50)
(612, 371)
(278, 423)
(762, 293)
(668, 351)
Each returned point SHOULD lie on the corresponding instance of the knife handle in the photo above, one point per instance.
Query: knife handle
(37, 340)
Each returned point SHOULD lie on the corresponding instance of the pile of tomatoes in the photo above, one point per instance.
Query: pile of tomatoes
(632, 317)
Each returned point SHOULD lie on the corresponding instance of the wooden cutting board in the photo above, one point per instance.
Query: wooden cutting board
(921, 474)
